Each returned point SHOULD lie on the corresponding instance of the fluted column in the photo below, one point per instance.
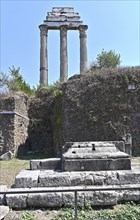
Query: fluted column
(43, 55)
(63, 54)
(83, 48)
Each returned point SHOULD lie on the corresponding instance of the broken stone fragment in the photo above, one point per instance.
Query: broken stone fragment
(7, 156)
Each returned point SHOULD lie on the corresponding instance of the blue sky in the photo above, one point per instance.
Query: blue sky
(111, 24)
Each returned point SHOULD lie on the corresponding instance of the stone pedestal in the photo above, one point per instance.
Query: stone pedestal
(43, 55)
(94, 156)
(63, 54)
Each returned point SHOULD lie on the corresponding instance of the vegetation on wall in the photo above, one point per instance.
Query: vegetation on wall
(103, 104)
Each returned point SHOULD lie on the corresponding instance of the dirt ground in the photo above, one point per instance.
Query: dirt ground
(39, 214)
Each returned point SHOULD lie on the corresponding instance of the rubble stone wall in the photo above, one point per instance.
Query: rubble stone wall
(97, 106)
(13, 123)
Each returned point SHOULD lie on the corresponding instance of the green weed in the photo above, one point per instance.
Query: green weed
(28, 216)
(128, 211)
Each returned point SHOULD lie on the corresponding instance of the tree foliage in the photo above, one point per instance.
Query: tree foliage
(3, 82)
(15, 82)
(106, 59)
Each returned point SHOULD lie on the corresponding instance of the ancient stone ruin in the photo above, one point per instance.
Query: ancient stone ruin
(62, 19)
(83, 164)
(95, 165)
(94, 156)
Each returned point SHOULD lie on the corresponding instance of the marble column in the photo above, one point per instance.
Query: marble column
(63, 54)
(83, 48)
(43, 55)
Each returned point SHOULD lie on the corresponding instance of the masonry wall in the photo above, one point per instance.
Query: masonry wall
(92, 107)
(13, 123)
(101, 105)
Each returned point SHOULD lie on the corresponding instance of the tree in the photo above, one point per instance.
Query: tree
(106, 59)
(4, 79)
(15, 82)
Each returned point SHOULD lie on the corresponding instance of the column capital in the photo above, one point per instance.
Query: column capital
(43, 30)
(63, 30)
(82, 30)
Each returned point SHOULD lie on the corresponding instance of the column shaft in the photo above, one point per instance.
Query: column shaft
(43, 55)
(63, 54)
(83, 48)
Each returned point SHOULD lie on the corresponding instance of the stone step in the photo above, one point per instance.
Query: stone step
(51, 178)
(45, 164)
(52, 197)
(4, 210)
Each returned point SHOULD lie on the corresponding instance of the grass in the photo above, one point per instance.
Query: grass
(9, 169)
(28, 216)
(129, 211)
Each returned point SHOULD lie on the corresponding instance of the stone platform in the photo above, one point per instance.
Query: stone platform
(86, 166)
(87, 156)
(50, 179)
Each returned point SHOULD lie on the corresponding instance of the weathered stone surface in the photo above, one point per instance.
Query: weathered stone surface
(105, 178)
(63, 9)
(49, 164)
(86, 156)
(27, 178)
(68, 199)
(48, 178)
(62, 16)
(17, 201)
(131, 196)
(54, 179)
(3, 188)
(6, 156)
(45, 200)
(4, 210)
(80, 199)
(101, 198)
(13, 122)
(119, 145)
(129, 177)
(77, 178)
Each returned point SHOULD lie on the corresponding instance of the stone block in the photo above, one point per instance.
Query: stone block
(97, 164)
(47, 164)
(77, 178)
(68, 199)
(133, 195)
(7, 156)
(3, 188)
(94, 156)
(103, 198)
(105, 178)
(70, 25)
(119, 145)
(80, 199)
(45, 200)
(63, 9)
(17, 201)
(88, 179)
(130, 177)
(4, 210)
(27, 178)
(54, 179)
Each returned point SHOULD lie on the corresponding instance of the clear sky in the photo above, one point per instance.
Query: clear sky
(111, 24)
